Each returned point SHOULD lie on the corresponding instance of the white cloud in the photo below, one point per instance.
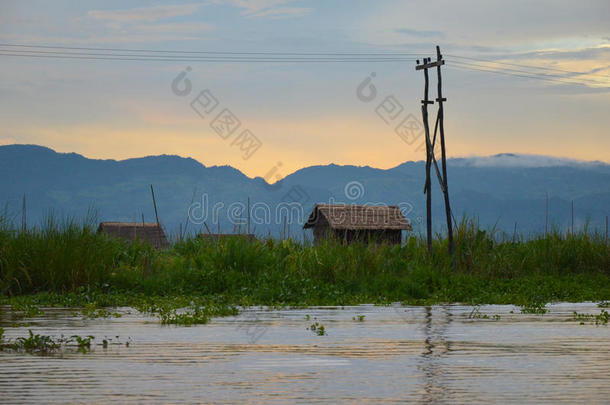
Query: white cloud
(281, 12)
(266, 8)
(150, 14)
(518, 160)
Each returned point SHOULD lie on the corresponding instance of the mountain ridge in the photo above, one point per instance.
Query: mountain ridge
(70, 184)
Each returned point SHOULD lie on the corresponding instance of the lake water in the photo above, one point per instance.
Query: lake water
(441, 354)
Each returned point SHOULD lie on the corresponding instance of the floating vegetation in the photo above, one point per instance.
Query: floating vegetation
(359, 318)
(318, 329)
(41, 344)
(195, 316)
(476, 314)
(534, 308)
(91, 311)
(604, 304)
(599, 319)
(26, 310)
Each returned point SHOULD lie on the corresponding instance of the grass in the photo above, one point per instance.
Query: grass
(69, 264)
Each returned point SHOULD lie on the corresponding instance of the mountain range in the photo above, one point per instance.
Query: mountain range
(503, 192)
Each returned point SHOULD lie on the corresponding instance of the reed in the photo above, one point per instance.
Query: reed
(488, 267)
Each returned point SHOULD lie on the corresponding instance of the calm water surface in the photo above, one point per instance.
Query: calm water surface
(396, 355)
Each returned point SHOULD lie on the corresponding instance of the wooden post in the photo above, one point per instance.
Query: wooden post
(440, 100)
(248, 223)
(24, 224)
(156, 215)
(572, 217)
(284, 230)
(546, 216)
(188, 211)
(427, 188)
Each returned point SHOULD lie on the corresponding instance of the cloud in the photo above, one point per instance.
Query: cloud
(281, 12)
(149, 14)
(171, 28)
(421, 33)
(519, 160)
(266, 8)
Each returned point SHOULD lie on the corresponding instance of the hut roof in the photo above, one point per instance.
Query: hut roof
(149, 232)
(343, 216)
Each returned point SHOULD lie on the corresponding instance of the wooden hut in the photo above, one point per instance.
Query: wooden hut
(364, 223)
(147, 232)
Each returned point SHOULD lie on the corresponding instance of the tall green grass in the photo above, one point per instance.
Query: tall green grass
(486, 268)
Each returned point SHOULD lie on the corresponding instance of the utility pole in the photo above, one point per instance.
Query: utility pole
(430, 143)
(424, 111)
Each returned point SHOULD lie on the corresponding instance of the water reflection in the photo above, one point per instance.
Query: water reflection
(402, 354)
(436, 345)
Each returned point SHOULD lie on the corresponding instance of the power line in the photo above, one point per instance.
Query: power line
(155, 55)
(125, 57)
(525, 74)
(528, 66)
(389, 54)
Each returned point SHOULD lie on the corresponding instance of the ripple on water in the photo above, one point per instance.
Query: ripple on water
(415, 354)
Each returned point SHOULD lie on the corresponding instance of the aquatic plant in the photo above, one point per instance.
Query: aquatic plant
(599, 319)
(534, 308)
(194, 316)
(317, 328)
(359, 318)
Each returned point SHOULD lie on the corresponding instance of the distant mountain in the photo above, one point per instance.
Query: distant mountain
(498, 190)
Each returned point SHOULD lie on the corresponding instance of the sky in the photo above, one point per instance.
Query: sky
(296, 114)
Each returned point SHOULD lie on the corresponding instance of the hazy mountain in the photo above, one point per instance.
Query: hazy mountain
(501, 189)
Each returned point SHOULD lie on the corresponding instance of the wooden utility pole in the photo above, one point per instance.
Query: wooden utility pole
(430, 143)
(440, 119)
(427, 186)
(156, 214)
(24, 224)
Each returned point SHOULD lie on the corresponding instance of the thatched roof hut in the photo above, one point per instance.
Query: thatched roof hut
(365, 223)
(148, 232)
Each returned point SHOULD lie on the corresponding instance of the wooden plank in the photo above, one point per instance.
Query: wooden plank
(430, 65)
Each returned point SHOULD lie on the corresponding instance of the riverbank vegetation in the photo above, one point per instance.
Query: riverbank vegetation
(69, 264)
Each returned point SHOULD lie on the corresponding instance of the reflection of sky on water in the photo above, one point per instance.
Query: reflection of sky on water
(415, 354)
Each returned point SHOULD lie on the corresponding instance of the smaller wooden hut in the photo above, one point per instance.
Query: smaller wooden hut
(147, 232)
(363, 223)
